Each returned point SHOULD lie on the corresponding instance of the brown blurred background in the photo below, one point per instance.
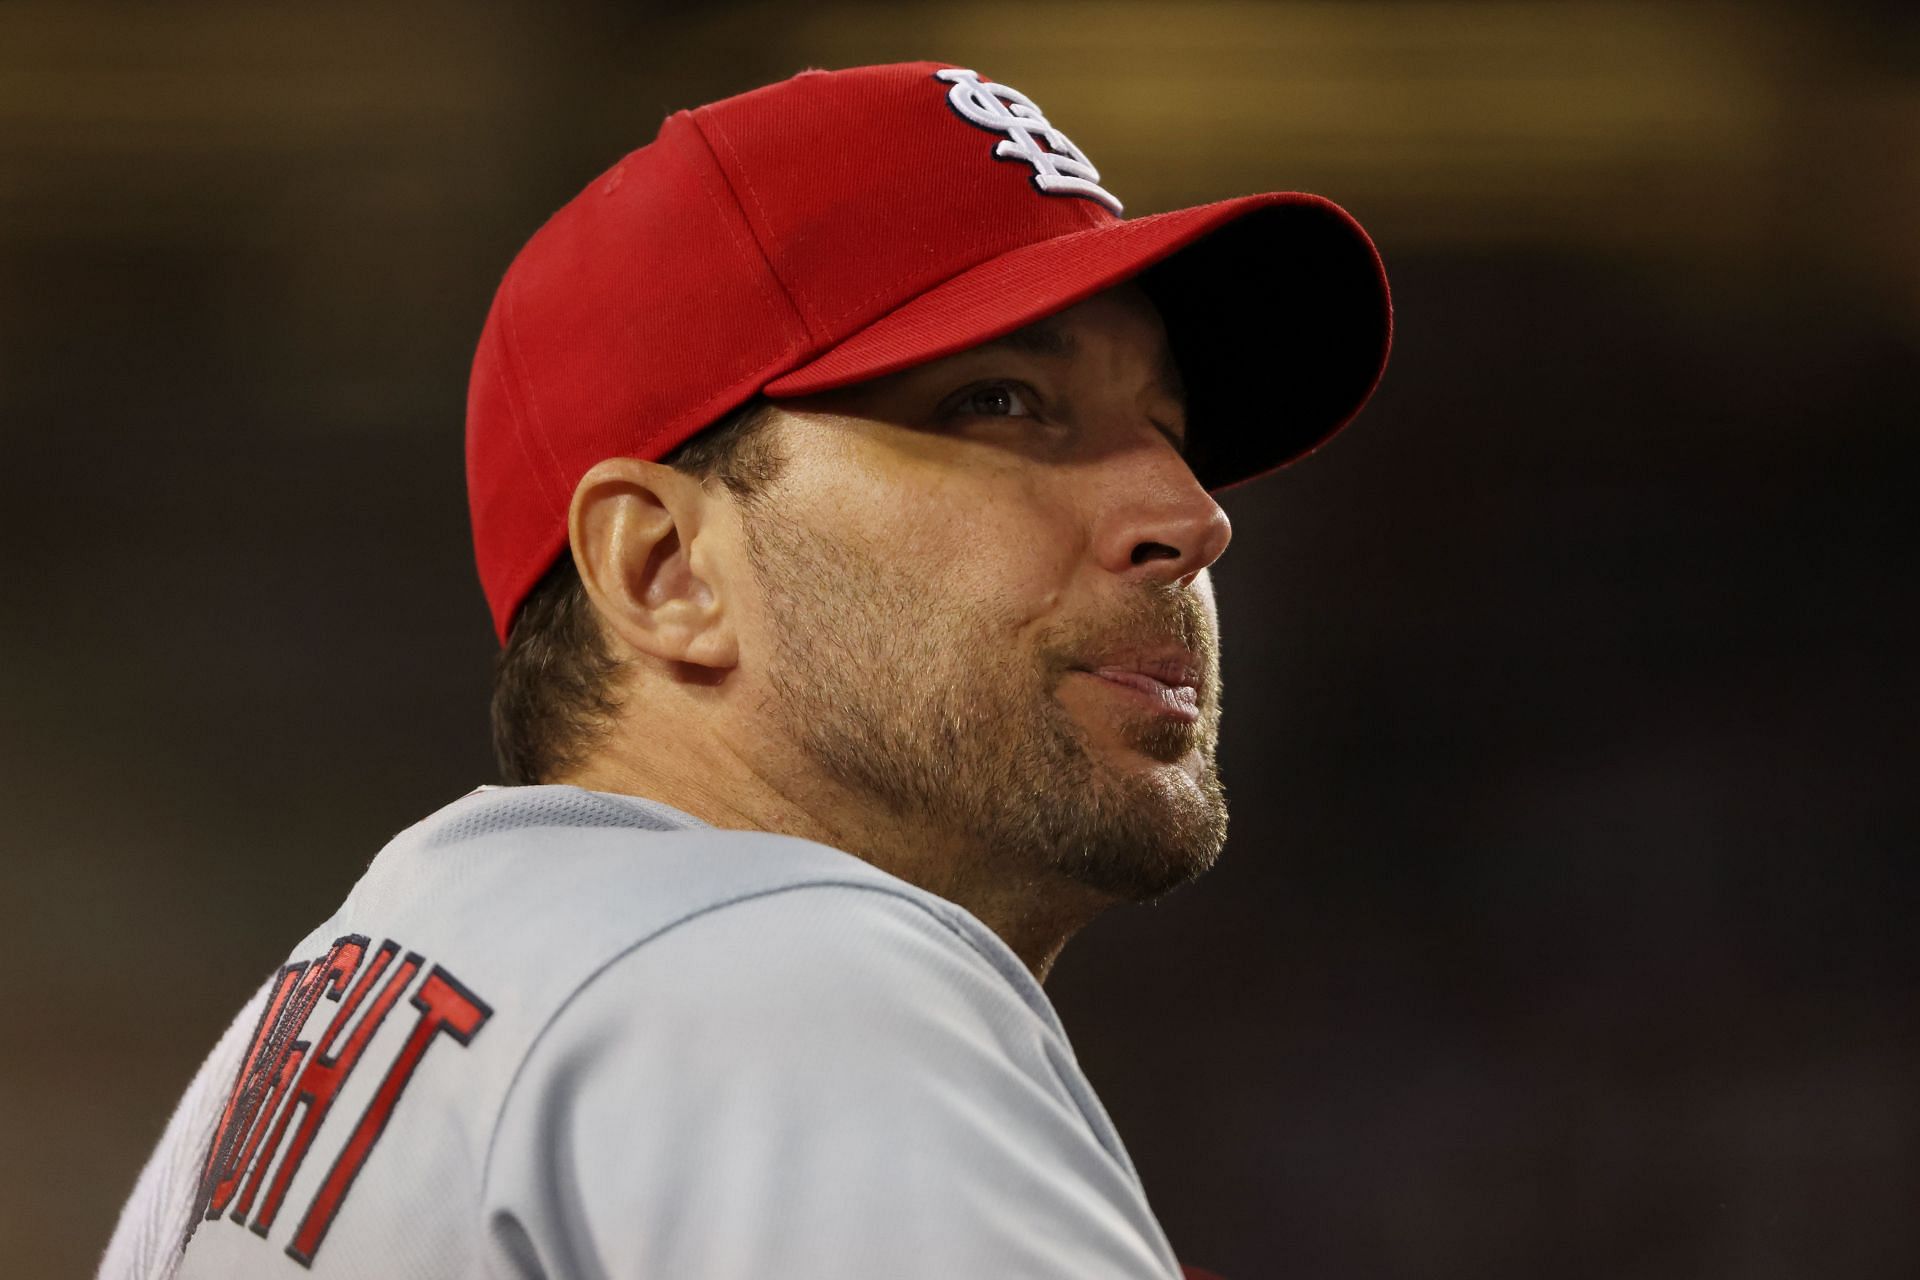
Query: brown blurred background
(1564, 928)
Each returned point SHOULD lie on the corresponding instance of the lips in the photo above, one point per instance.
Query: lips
(1139, 680)
(1175, 668)
(1169, 682)
(1180, 701)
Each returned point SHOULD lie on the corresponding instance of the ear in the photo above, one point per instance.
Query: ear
(647, 551)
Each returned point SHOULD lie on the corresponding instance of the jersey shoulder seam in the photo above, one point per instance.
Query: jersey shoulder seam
(600, 970)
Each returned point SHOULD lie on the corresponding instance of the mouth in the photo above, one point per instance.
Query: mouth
(1180, 701)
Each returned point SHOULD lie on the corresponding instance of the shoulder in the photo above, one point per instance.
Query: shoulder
(796, 1012)
(607, 937)
(828, 1079)
(537, 891)
(565, 909)
(817, 971)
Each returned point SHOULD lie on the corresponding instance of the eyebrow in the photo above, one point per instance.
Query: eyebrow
(1045, 338)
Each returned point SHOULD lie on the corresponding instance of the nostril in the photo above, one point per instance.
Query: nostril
(1154, 551)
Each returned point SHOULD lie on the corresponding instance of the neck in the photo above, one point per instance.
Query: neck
(1034, 912)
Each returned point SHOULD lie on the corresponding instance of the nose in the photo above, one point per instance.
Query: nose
(1164, 527)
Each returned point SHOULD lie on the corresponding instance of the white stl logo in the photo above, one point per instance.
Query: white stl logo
(1059, 168)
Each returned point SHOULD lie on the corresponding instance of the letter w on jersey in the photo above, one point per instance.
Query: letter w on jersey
(1059, 168)
(282, 1075)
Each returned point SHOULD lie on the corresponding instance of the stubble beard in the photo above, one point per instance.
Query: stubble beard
(920, 702)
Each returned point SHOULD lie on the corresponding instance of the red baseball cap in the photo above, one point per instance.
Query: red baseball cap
(842, 225)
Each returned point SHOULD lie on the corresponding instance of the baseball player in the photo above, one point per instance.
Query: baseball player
(841, 467)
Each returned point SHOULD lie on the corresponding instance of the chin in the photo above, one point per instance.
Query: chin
(1151, 836)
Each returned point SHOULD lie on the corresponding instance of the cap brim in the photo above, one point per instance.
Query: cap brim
(1276, 306)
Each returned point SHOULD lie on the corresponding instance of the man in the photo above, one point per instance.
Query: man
(840, 467)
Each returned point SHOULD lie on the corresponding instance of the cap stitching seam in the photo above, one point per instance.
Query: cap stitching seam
(816, 331)
(547, 483)
(520, 434)
(750, 360)
(753, 251)
(976, 247)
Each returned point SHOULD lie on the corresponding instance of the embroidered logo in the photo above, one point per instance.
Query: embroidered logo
(1059, 168)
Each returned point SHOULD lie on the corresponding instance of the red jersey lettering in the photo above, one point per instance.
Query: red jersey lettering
(445, 1007)
(283, 1075)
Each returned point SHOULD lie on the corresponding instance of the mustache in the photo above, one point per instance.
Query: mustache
(1158, 617)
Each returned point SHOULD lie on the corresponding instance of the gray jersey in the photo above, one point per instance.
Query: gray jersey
(554, 1032)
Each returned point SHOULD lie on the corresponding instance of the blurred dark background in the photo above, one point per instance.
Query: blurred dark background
(1564, 927)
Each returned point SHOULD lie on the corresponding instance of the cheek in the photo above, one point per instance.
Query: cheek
(985, 544)
(994, 549)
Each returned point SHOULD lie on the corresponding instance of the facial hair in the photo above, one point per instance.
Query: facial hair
(921, 697)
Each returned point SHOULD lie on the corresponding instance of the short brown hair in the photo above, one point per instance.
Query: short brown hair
(553, 684)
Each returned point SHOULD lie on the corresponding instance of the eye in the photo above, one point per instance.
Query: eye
(996, 400)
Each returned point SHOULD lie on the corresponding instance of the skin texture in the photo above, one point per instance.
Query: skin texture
(886, 651)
